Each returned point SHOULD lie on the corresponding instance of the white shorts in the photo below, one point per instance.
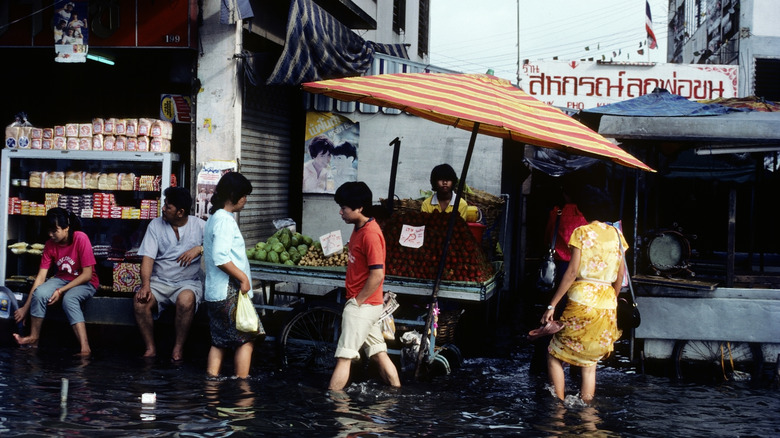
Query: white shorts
(360, 328)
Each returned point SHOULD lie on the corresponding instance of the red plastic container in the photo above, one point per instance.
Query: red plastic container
(477, 229)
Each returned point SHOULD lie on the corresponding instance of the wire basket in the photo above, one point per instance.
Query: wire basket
(447, 324)
(401, 205)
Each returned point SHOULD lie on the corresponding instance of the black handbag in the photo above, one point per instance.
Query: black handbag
(545, 278)
(628, 316)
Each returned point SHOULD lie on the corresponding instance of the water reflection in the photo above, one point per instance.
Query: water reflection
(485, 397)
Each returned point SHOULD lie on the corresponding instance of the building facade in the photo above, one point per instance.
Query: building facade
(737, 32)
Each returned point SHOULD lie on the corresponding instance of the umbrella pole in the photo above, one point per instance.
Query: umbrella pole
(396, 143)
(427, 340)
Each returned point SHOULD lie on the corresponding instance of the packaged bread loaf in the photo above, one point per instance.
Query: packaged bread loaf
(72, 143)
(120, 127)
(59, 131)
(36, 143)
(97, 126)
(34, 179)
(74, 180)
(71, 130)
(46, 143)
(131, 128)
(97, 142)
(144, 126)
(108, 142)
(108, 126)
(36, 133)
(85, 129)
(91, 180)
(125, 181)
(48, 133)
(119, 145)
(53, 180)
(143, 144)
(107, 181)
(85, 143)
(59, 143)
(157, 144)
(11, 136)
(131, 144)
(23, 141)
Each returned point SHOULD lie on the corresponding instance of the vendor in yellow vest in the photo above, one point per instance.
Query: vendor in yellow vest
(443, 181)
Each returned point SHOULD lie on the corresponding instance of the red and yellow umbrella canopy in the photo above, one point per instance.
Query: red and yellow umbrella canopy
(464, 100)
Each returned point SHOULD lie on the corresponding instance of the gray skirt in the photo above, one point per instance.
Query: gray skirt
(222, 321)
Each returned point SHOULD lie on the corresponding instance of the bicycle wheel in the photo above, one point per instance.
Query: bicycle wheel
(717, 361)
(309, 340)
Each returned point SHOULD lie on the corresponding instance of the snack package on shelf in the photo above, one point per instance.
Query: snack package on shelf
(72, 143)
(47, 143)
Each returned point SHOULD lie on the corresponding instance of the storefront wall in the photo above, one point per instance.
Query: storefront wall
(424, 144)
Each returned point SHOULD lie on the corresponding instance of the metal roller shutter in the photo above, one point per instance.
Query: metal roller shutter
(266, 157)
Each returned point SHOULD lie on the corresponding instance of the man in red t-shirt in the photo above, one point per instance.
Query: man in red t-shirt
(360, 326)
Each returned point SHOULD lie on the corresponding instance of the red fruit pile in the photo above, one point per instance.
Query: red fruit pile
(466, 261)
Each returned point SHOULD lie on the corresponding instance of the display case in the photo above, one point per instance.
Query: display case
(117, 196)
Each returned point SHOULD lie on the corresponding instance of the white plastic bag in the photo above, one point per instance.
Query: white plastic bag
(246, 315)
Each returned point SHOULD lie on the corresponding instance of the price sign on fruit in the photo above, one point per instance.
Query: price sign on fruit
(332, 243)
(412, 237)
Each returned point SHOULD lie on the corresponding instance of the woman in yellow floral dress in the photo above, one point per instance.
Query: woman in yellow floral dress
(592, 282)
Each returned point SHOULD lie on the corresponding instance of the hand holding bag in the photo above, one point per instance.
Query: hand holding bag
(388, 323)
(628, 316)
(246, 315)
(545, 279)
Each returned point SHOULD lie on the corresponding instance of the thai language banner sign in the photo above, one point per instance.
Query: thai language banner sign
(586, 84)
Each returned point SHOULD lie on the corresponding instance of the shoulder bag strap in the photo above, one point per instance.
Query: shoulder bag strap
(625, 266)
(555, 230)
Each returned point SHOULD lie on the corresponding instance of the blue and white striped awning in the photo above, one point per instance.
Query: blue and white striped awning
(317, 46)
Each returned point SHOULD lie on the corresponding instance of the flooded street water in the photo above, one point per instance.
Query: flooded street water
(487, 396)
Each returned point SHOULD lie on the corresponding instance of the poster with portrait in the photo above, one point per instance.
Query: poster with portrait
(71, 31)
(330, 157)
(208, 177)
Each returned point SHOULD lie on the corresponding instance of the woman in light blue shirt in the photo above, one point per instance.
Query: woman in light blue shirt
(227, 275)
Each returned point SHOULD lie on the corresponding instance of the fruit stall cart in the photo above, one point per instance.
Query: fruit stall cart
(311, 285)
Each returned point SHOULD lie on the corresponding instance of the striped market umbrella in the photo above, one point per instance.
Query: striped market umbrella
(478, 103)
